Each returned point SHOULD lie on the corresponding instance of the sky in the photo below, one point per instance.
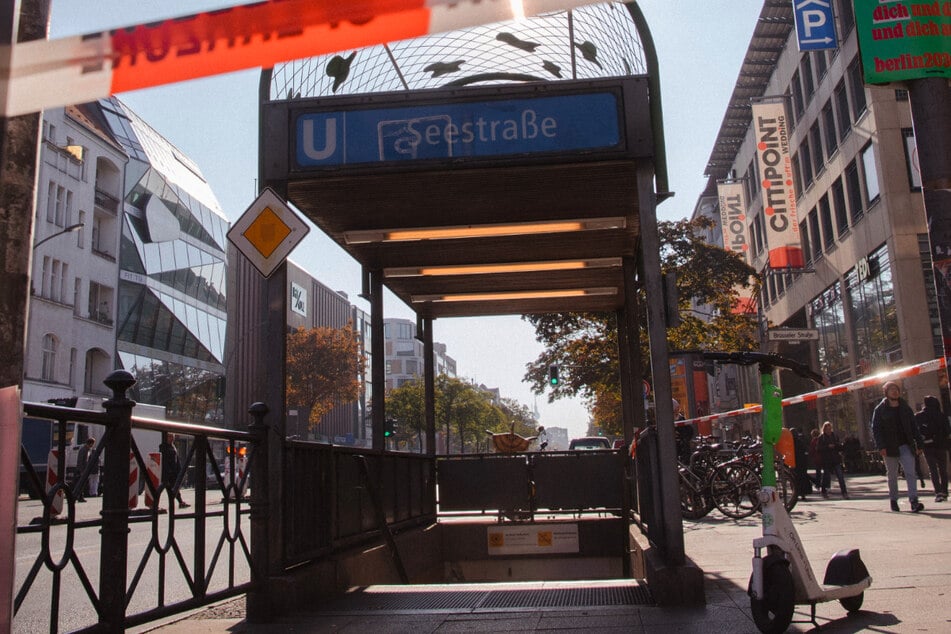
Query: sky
(700, 46)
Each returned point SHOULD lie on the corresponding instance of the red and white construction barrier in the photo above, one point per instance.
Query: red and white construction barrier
(52, 479)
(51, 73)
(133, 481)
(870, 381)
(154, 472)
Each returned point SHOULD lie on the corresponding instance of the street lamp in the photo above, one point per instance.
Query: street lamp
(69, 229)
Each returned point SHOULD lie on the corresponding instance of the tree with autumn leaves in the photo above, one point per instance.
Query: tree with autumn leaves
(585, 345)
(323, 369)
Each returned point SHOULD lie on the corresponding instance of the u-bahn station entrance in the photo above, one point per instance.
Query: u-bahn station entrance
(511, 169)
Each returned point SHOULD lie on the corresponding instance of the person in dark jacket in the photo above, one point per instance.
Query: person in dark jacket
(830, 455)
(801, 449)
(171, 465)
(934, 429)
(896, 438)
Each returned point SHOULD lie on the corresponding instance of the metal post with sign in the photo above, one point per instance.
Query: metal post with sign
(265, 235)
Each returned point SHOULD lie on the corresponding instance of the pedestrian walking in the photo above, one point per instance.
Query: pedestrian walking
(814, 457)
(684, 433)
(171, 465)
(896, 438)
(830, 455)
(801, 449)
(934, 429)
(82, 461)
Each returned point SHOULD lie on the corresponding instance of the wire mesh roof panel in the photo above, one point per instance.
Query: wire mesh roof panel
(591, 42)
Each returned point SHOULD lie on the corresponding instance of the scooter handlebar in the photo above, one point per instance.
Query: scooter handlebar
(767, 360)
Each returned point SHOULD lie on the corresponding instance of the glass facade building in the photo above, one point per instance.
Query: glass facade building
(171, 314)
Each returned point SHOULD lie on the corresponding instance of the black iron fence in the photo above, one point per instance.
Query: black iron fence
(133, 554)
(517, 485)
(336, 497)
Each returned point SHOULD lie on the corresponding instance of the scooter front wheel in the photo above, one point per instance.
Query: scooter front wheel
(853, 603)
(773, 613)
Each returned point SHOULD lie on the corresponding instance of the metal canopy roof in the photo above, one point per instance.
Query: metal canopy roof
(769, 37)
(527, 234)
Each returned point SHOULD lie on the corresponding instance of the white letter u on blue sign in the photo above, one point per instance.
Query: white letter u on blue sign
(308, 139)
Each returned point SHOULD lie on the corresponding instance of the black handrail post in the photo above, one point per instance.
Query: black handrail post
(258, 601)
(201, 519)
(115, 504)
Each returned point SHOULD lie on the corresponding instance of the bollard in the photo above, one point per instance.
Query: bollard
(52, 479)
(154, 472)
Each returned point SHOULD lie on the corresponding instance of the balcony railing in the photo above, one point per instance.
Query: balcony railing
(106, 201)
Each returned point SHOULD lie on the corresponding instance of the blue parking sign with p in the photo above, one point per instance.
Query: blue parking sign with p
(815, 25)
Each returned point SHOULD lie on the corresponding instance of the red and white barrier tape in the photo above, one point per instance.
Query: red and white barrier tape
(51, 73)
(870, 381)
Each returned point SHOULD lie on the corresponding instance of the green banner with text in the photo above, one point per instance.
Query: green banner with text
(904, 40)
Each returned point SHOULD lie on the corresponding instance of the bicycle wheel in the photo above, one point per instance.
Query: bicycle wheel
(735, 490)
(786, 486)
(693, 504)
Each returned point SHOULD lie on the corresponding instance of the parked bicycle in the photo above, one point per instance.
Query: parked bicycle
(707, 482)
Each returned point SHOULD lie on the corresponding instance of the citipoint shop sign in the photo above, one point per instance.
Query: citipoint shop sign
(472, 129)
(904, 40)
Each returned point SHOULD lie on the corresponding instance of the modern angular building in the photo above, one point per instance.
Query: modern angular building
(867, 286)
(129, 267)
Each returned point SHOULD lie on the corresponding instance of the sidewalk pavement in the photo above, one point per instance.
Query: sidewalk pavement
(908, 556)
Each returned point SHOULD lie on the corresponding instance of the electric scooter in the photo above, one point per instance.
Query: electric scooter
(782, 576)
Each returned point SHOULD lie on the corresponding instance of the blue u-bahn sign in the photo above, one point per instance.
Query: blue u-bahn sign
(476, 129)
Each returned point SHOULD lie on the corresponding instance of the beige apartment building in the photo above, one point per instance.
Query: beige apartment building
(868, 286)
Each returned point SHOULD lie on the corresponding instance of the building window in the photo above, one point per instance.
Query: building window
(72, 365)
(914, 174)
(49, 357)
(821, 63)
(815, 142)
(838, 204)
(55, 274)
(857, 85)
(846, 17)
(100, 303)
(842, 110)
(828, 316)
(871, 174)
(805, 163)
(854, 191)
(831, 134)
(797, 175)
(81, 233)
(874, 312)
(805, 71)
(816, 234)
(77, 292)
(804, 239)
(798, 103)
(825, 217)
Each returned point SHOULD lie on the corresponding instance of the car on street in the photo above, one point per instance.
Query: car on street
(589, 443)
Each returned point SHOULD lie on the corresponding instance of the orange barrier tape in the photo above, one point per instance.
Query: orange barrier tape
(47, 73)
(870, 381)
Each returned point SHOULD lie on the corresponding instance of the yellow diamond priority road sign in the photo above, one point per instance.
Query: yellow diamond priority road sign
(267, 232)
